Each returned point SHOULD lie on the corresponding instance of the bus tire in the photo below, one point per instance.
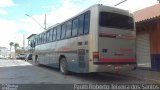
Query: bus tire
(63, 66)
(36, 61)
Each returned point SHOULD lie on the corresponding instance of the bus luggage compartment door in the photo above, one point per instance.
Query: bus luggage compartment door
(81, 58)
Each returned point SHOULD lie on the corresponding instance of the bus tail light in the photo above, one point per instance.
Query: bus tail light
(95, 56)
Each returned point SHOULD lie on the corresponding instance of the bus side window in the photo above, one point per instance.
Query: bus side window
(86, 23)
(58, 32)
(54, 36)
(68, 29)
(50, 36)
(31, 44)
(36, 41)
(80, 25)
(75, 27)
(47, 36)
(63, 34)
(40, 39)
(44, 38)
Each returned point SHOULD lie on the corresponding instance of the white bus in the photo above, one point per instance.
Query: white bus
(99, 39)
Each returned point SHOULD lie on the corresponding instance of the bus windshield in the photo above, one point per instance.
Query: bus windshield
(115, 20)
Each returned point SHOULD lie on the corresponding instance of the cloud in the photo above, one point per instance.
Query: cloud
(22, 31)
(3, 4)
(13, 30)
(132, 5)
(56, 15)
(7, 31)
(66, 11)
(3, 12)
(6, 3)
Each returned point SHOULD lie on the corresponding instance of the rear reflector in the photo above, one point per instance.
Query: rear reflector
(118, 67)
(96, 55)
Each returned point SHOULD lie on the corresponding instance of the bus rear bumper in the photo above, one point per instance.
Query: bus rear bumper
(115, 67)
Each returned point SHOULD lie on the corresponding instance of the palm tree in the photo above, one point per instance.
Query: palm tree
(15, 46)
(11, 44)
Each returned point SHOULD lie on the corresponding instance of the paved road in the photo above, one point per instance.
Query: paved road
(21, 72)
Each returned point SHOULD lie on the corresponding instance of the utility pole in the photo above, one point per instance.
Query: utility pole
(120, 2)
(45, 21)
(23, 43)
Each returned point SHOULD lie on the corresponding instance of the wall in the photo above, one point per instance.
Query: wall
(155, 46)
(3, 51)
(153, 28)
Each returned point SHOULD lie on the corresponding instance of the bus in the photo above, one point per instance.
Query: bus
(99, 39)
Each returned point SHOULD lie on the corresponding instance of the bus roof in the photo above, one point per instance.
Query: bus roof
(96, 5)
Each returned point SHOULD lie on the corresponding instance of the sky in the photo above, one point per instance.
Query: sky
(14, 24)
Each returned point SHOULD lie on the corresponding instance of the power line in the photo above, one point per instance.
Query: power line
(120, 2)
(97, 2)
(36, 21)
(112, 2)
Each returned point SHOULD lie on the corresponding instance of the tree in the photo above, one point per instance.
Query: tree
(15, 46)
(11, 44)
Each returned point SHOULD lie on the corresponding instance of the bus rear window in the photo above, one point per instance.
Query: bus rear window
(114, 20)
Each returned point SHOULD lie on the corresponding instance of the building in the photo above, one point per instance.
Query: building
(11, 55)
(148, 37)
(31, 43)
(3, 52)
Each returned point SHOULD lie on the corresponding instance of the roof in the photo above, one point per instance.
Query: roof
(148, 13)
(31, 36)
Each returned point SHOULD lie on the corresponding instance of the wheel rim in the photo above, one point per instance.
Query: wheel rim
(63, 66)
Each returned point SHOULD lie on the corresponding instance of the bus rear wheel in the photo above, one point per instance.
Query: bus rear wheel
(63, 66)
(36, 61)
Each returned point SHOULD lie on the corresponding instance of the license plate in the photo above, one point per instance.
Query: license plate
(117, 67)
